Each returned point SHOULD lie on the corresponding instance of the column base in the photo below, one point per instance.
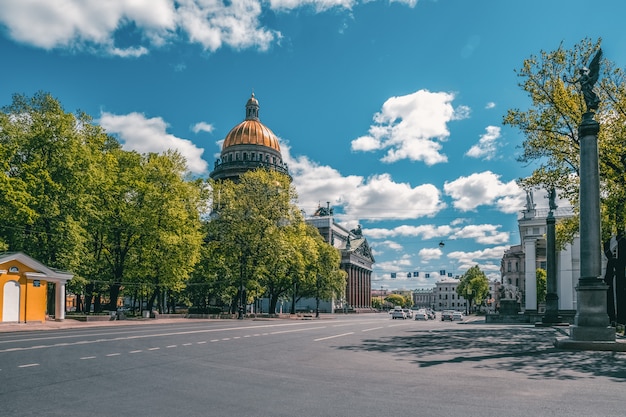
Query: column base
(567, 343)
(592, 333)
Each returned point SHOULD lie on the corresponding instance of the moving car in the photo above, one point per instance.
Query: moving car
(446, 315)
(398, 314)
(457, 316)
(408, 312)
(421, 315)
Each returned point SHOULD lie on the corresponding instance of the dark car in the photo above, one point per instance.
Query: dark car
(446, 315)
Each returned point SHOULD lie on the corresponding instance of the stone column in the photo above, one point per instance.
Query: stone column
(552, 298)
(59, 301)
(566, 286)
(530, 268)
(592, 321)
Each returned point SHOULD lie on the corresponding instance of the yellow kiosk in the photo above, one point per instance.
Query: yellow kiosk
(24, 289)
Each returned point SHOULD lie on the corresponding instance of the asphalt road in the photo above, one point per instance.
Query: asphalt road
(366, 365)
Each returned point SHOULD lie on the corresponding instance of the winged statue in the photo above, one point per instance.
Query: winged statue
(588, 78)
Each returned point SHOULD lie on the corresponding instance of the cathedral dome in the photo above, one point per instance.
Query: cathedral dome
(251, 131)
(249, 145)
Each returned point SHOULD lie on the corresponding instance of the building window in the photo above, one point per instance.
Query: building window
(508, 269)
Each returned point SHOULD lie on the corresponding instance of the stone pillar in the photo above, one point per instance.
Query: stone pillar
(59, 301)
(552, 299)
(530, 268)
(566, 279)
(592, 321)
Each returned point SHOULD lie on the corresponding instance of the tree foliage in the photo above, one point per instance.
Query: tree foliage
(258, 244)
(542, 284)
(550, 129)
(72, 198)
(473, 286)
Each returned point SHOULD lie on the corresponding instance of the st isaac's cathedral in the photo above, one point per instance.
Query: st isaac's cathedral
(251, 145)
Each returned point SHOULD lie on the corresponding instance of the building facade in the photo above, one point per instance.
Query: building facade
(424, 298)
(24, 289)
(356, 260)
(251, 145)
(519, 264)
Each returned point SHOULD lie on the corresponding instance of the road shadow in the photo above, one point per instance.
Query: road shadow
(526, 350)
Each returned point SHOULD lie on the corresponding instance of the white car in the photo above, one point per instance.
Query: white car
(398, 314)
(421, 315)
(457, 316)
(408, 312)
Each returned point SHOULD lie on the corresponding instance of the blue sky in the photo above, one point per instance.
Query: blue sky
(391, 111)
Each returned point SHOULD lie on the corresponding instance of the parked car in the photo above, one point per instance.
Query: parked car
(457, 316)
(431, 314)
(408, 312)
(398, 313)
(421, 315)
(446, 315)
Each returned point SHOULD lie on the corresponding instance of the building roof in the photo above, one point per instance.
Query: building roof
(251, 131)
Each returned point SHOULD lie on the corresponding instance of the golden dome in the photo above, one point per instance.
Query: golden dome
(251, 132)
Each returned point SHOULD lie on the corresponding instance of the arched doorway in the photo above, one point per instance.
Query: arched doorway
(11, 302)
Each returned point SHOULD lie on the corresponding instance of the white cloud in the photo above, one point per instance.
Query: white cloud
(375, 198)
(93, 25)
(427, 232)
(490, 105)
(428, 254)
(487, 145)
(468, 259)
(484, 189)
(412, 127)
(318, 5)
(389, 244)
(202, 127)
(144, 135)
(486, 234)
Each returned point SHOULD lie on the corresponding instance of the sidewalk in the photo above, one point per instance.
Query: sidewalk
(76, 324)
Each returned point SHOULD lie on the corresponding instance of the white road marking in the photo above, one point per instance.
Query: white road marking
(332, 337)
(372, 328)
(154, 348)
(113, 354)
(136, 351)
(87, 357)
(28, 365)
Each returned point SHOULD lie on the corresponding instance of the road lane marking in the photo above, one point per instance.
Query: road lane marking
(87, 357)
(136, 351)
(154, 348)
(171, 346)
(332, 337)
(297, 330)
(28, 365)
(201, 343)
(372, 328)
(113, 354)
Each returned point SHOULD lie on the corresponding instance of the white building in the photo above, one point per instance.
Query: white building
(520, 262)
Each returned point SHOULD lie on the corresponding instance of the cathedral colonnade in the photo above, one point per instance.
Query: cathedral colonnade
(358, 287)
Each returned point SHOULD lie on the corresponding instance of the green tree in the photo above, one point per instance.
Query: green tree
(253, 230)
(172, 237)
(473, 286)
(542, 284)
(550, 128)
(395, 300)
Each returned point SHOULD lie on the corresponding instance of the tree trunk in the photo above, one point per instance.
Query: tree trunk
(114, 294)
